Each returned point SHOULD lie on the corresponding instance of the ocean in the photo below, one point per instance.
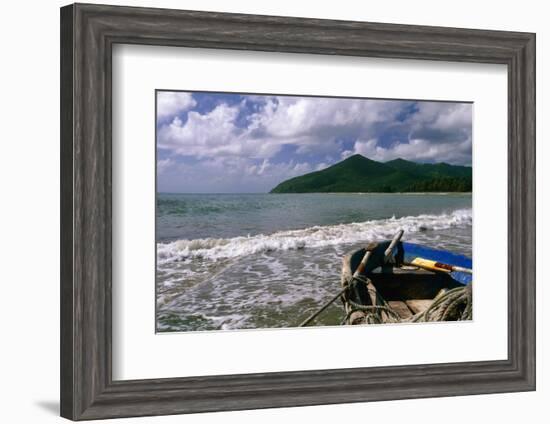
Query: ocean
(241, 261)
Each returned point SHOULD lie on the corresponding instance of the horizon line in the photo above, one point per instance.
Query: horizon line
(324, 192)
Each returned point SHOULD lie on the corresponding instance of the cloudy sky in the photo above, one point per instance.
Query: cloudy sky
(231, 143)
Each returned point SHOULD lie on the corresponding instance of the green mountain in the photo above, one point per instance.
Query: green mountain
(360, 174)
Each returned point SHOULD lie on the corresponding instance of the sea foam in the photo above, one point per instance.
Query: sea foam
(313, 237)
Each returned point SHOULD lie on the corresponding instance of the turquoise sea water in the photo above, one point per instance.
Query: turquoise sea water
(233, 261)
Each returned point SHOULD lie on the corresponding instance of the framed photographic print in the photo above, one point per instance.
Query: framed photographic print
(264, 212)
(260, 196)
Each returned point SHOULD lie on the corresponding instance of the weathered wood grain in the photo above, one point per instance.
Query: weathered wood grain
(88, 33)
(400, 308)
(418, 305)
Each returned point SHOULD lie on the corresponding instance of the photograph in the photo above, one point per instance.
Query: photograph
(283, 211)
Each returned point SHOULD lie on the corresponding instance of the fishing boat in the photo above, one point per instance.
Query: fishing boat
(395, 281)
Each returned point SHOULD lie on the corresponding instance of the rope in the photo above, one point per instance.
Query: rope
(373, 314)
(453, 305)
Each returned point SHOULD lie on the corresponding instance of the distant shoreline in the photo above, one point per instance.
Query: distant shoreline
(384, 192)
(335, 192)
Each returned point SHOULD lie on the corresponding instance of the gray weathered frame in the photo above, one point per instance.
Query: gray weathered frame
(88, 33)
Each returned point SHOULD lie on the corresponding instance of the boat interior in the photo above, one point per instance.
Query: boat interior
(407, 289)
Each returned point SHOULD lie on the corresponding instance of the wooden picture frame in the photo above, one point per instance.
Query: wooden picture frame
(88, 33)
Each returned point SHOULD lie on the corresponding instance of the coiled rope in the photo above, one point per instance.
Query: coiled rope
(453, 305)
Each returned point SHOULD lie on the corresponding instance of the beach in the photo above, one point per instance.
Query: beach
(243, 261)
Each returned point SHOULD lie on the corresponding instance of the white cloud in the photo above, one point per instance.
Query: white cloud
(227, 174)
(442, 122)
(228, 155)
(170, 103)
(164, 164)
(210, 135)
(316, 122)
(415, 150)
(312, 125)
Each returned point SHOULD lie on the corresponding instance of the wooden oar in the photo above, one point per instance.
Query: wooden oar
(325, 306)
(395, 240)
(438, 266)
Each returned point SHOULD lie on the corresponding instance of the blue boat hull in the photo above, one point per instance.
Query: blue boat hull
(412, 251)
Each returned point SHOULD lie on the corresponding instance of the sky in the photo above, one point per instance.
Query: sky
(233, 143)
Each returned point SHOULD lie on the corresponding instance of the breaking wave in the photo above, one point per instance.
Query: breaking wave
(313, 237)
